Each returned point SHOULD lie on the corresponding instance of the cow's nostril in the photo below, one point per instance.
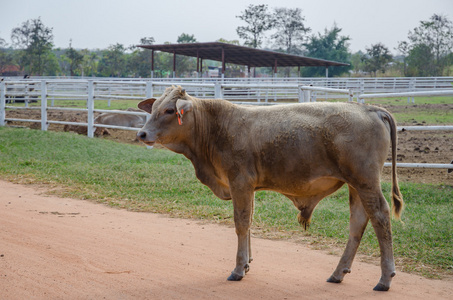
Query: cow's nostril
(141, 135)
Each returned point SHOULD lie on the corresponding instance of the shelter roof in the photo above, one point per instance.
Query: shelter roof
(242, 55)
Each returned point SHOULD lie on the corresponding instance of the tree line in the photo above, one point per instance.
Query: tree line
(426, 52)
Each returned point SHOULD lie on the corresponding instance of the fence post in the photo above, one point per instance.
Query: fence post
(2, 102)
(301, 94)
(149, 89)
(217, 90)
(110, 93)
(307, 96)
(43, 105)
(362, 86)
(52, 91)
(351, 95)
(90, 107)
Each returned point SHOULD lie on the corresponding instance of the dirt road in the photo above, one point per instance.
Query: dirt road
(54, 248)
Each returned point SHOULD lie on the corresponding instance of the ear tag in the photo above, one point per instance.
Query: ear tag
(179, 118)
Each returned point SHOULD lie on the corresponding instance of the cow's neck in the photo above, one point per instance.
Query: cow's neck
(212, 126)
(208, 140)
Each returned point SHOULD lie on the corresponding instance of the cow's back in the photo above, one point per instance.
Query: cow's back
(288, 145)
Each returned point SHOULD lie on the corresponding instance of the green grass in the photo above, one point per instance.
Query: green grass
(425, 110)
(135, 178)
(402, 101)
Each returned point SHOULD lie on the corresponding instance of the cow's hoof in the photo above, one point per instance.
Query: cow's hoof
(247, 268)
(381, 288)
(332, 279)
(235, 277)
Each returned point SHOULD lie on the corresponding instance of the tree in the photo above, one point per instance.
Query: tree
(35, 41)
(232, 42)
(6, 56)
(357, 63)
(258, 20)
(89, 62)
(291, 31)
(185, 38)
(185, 64)
(51, 66)
(403, 48)
(420, 61)
(435, 35)
(147, 41)
(75, 60)
(330, 46)
(113, 61)
(377, 57)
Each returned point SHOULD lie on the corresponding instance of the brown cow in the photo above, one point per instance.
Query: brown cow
(303, 151)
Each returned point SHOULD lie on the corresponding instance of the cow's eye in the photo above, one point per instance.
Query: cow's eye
(170, 111)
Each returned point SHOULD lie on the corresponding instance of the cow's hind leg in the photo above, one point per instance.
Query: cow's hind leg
(357, 224)
(243, 209)
(249, 240)
(378, 211)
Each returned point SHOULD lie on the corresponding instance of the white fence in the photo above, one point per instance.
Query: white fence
(269, 88)
(262, 92)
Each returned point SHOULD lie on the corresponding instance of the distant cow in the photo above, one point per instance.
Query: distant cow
(303, 151)
(121, 120)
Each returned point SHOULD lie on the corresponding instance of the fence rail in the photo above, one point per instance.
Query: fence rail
(263, 92)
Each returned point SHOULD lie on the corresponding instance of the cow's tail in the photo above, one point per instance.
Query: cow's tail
(397, 198)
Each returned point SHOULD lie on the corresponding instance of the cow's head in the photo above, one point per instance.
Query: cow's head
(169, 117)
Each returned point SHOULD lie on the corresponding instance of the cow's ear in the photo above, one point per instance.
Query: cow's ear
(147, 105)
(184, 106)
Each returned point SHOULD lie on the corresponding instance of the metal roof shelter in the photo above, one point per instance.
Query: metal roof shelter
(240, 55)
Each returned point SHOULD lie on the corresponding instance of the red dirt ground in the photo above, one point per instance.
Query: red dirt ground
(54, 248)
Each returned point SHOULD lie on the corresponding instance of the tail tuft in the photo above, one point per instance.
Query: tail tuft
(397, 202)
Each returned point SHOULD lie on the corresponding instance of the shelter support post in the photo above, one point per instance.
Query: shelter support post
(174, 64)
(152, 63)
(275, 67)
(223, 63)
(327, 71)
(198, 64)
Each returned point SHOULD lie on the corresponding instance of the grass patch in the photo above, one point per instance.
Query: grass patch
(135, 178)
(402, 101)
(425, 110)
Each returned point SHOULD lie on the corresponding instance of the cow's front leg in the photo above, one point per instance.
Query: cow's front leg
(243, 210)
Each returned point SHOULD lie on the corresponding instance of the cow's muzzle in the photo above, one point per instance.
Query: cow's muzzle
(144, 137)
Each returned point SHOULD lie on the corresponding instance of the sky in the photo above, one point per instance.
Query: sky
(97, 24)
